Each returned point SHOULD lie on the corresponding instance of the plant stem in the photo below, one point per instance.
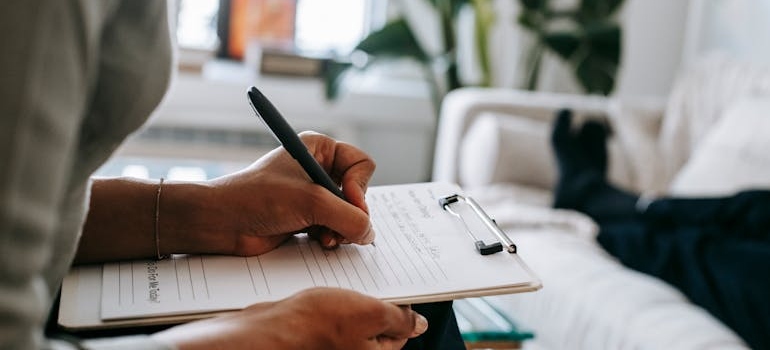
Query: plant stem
(533, 65)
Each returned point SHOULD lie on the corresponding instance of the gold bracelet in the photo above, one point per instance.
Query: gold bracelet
(157, 217)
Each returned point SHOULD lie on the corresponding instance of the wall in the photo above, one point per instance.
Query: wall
(391, 119)
(654, 37)
(738, 27)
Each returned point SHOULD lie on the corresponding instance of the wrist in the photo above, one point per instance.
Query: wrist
(188, 220)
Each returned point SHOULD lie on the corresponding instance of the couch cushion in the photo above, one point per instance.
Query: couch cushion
(733, 155)
(500, 148)
(699, 98)
(506, 148)
(636, 125)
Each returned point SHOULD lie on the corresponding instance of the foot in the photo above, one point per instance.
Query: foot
(581, 160)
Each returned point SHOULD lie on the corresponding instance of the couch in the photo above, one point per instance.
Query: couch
(704, 139)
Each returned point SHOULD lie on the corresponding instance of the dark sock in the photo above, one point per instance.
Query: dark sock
(592, 139)
(576, 175)
(607, 203)
(582, 164)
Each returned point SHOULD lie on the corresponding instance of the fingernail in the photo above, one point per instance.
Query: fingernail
(420, 324)
(331, 242)
(368, 237)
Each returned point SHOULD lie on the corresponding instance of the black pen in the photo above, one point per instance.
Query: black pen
(290, 141)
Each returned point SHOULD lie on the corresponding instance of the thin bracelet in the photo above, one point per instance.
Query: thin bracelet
(157, 218)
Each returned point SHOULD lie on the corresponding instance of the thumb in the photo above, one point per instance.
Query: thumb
(402, 322)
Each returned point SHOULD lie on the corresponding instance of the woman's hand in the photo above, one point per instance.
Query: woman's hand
(320, 318)
(252, 211)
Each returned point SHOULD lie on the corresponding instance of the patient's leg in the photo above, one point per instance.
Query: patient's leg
(582, 164)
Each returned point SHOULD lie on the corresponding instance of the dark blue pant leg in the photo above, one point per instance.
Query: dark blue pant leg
(716, 251)
(442, 333)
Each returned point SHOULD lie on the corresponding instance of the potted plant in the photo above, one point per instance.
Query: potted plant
(398, 39)
(587, 37)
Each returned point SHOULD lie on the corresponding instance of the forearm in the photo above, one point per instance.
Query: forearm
(122, 219)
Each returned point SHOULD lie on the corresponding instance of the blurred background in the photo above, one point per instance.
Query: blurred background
(316, 60)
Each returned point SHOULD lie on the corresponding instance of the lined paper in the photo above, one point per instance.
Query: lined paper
(420, 250)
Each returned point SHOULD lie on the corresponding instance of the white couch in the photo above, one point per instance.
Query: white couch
(495, 143)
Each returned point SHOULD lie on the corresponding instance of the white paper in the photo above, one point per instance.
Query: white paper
(420, 250)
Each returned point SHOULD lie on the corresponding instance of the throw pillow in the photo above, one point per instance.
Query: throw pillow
(734, 154)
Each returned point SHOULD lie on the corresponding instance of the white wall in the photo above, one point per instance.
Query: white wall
(740, 28)
(653, 41)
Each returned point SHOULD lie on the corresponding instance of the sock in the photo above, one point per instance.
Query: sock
(582, 162)
(592, 139)
(576, 174)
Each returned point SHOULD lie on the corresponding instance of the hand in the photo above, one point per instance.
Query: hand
(320, 318)
(260, 207)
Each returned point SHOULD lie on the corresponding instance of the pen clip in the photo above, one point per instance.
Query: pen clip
(482, 247)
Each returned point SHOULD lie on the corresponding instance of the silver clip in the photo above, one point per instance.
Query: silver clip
(482, 247)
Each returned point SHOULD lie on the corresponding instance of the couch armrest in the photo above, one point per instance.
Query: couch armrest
(462, 107)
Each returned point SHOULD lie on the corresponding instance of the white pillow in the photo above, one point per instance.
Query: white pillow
(506, 148)
(734, 154)
(635, 126)
(517, 149)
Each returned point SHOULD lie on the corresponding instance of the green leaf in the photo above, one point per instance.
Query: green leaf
(604, 39)
(332, 75)
(533, 4)
(485, 19)
(530, 20)
(597, 9)
(394, 39)
(596, 74)
(563, 43)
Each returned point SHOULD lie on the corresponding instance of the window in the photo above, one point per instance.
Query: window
(324, 25)
(320, 25)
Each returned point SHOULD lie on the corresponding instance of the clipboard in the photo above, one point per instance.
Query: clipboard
(416, 218)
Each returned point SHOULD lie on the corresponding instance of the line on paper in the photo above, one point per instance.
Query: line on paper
(120, 288)
(178, 288)
(133, 294)
(251, 276)
(307, 267)
(205, 280)
(355, 269)
(318, 264)
(376, 261)
(189, 272)
(371, 275)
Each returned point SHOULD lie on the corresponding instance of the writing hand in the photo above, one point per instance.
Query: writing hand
(252, 211)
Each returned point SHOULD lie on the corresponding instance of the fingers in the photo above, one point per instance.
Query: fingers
(345, 163)
(350, 222)
(367, 317)
(326, 237)
(352, 168)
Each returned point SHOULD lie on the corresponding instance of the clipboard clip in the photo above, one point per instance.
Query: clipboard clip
(482, 247)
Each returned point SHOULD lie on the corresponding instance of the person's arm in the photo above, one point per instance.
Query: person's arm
(246, 213)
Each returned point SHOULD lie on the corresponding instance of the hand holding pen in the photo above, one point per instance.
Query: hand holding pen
(292, 143)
